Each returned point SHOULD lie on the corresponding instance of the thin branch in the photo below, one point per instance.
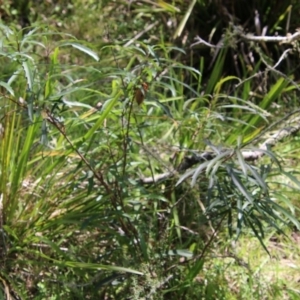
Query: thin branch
(201, 41)
(248, 155)
(250, 37)
(273, 69)
(283, 56)
(148, 28)
(273, 39)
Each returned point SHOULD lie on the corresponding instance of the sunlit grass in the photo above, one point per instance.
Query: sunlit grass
(76, 218)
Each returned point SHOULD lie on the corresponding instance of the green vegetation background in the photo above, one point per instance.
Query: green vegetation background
(149, 149)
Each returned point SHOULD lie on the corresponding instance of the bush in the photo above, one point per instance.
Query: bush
(97, 155)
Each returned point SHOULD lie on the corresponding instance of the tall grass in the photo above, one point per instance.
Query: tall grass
(89, 130)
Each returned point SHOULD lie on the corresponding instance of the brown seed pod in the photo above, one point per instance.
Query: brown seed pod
(140, 93)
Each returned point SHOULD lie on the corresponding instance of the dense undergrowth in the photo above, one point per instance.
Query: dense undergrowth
(139, 163)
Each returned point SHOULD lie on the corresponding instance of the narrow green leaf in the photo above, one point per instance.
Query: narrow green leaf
(257, 235)
(239, 185)
(107, 107)
(290, 217)
(82, 48)
(54, 56)
(6, 30)
(242, 163)
(258, 178)
(28, 69)
(183, 22)
(91, 266)
(285, 200)
(218, 158)
(7, 87)
(181, 252)
(291, 177)
(195, 269)
(76, 104)
(217, 71)
(220, 83)
(272, 95)
(186, 175)
(199, 171)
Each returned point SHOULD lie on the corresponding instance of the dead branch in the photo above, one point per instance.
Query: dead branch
(273, 39)
(289, 38)
(291, 127)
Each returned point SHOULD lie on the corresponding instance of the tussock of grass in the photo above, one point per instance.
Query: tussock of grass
(76, 218)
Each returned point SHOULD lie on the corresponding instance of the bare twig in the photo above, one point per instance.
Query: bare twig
(290, 128)
(283, 56)
(273, 69)
(148, 28)
(253, 38)
(201, 41)
(273, 39)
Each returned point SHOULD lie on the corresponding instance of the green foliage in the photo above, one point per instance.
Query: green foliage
(90, 127)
